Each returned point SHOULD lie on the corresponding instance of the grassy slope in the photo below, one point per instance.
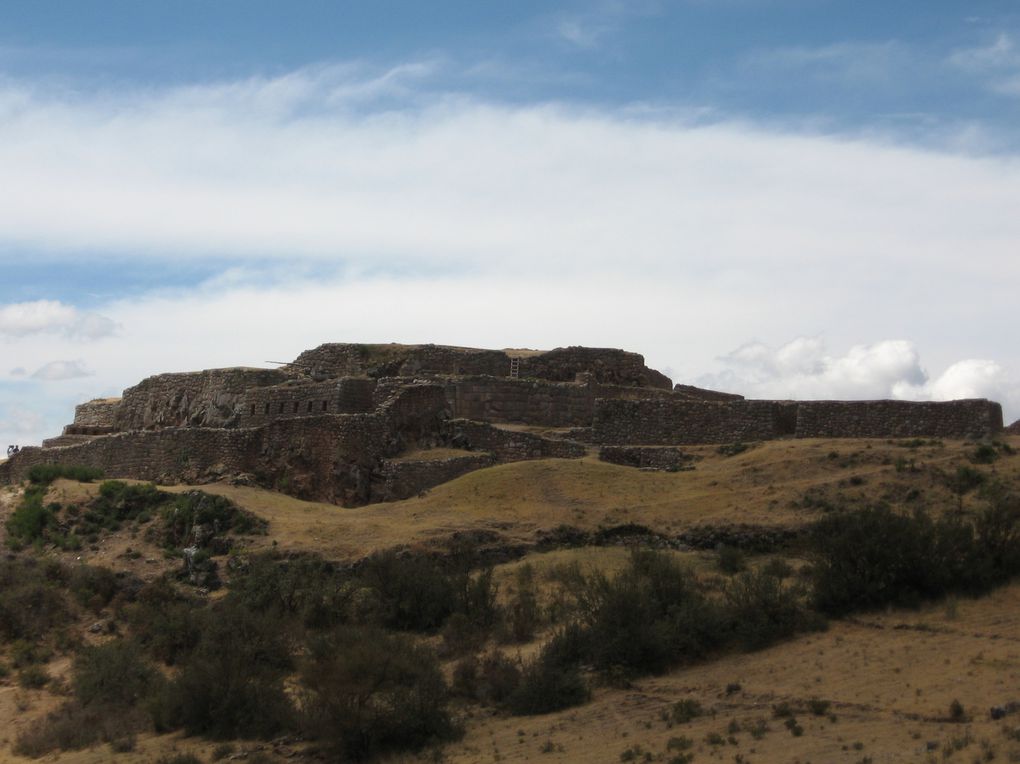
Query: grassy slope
(879, 677)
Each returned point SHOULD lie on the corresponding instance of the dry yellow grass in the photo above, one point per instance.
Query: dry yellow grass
(890, 677)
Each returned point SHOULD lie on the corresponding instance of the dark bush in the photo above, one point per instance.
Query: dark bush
(547, 685)
(370, 692)
(31, 602)
(414, 593)
(114, 674)
(730, 559)
(164, 621)
(763, 611)
(231, 685)
(875, 557)
(522, 613)
(306, 588)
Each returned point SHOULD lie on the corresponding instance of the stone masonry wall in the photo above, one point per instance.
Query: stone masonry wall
(346, 359)
(210, 398)
(669, 422)
(350, 395)
(400, 479)
(977, 418)
(508, 445)
(535, 402)
(606, 365)
(170, 455)
(665, 422)
(701, 394)
(662, 458)
(100, 413)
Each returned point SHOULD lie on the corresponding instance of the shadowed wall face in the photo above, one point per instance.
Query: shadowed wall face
(666, 422)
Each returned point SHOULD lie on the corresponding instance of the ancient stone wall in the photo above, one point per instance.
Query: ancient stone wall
(345, 359)
(977, 418)
(606, 365)
(212, 398)
(669, 422)
(401, 479)
(508, 445)
(662, 458)
(1014, 429)
(535, 402)
(100, 414)
(665, 422)
(525, 401)
(702, 394)
(171, 455)
(350, 395)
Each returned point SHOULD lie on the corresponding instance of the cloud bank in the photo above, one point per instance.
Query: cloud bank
(349, 205)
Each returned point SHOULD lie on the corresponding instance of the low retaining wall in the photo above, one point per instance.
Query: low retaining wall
(664, 458)
(402, 479)
(507, 445)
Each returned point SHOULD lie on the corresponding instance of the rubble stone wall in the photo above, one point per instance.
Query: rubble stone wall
(663, 458)
(508, 445)
(402, 479)
(100, 413)
(212, 398)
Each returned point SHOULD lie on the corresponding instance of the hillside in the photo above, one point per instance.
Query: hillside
(888, 678)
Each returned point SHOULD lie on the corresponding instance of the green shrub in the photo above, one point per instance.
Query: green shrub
(44, 474)
(730, 559)
(732, 449)
(165, 622)
(414, 593)
(547, 685)
(231, 685)
(114, 674)
(684, 711)
(307, 589)
(984, 454)
(762, 611)
(523, 614)
(31, 602)
(216, 514)
(875, 557)
(370, 692)
(33, 677)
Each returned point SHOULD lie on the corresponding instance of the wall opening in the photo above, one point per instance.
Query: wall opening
(325, 404)
(267, 407)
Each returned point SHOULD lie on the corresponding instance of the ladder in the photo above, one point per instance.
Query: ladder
(515, 368)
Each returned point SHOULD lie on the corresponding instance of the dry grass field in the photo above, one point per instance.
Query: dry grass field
(874, 688)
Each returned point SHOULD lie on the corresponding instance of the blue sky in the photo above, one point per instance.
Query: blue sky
(796, 198)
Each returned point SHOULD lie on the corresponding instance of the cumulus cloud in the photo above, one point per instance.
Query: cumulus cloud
(56, 371)
(802, 368)
(52, 316)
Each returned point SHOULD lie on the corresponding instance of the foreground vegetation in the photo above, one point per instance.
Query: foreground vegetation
(352, 657)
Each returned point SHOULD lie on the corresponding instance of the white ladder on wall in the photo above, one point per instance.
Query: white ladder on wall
(515, 368)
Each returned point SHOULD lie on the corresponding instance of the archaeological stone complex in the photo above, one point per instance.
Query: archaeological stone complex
(355, 424)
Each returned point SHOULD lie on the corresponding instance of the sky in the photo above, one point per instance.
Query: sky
(779, 198)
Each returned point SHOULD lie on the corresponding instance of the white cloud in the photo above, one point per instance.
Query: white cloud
(354, 206)
(41, 316)
(804, 369)
(55, 371)
(997, 62)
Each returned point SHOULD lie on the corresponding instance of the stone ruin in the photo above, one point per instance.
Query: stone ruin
(355, 424)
